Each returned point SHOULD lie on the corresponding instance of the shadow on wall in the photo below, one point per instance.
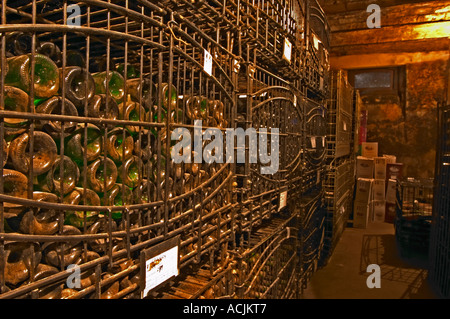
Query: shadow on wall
(412, 271)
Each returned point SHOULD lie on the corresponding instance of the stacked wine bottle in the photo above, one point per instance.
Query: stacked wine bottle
(80, 147)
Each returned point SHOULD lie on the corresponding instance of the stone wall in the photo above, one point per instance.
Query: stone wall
(407, 129)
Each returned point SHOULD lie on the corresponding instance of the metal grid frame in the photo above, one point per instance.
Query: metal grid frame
(439, 267)
(108, 235)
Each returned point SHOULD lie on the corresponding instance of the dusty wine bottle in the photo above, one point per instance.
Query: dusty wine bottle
(132, 71)
(14, 184)
(101, 174)
(129, 173)
(46, 75)
(75, 148)
(79, 85)
(16, 100)
(43, 155)
(104, 107)
(80, 196)
(51, 50)
(119, 144)
(131, 111)
(118, 195)
(144, 193)
(113, 80)
(75, 58)
(54, 105)
(143, 92)
(66, 179)
(19, 43)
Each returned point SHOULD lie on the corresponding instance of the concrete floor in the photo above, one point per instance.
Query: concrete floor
(345, 275)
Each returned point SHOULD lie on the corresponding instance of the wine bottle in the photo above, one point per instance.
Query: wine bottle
(79, 85)
(144, 147)
(114, 81)
(104, 107)
(75, 58)
(97, 180)
(164, 97)
(69, 176)
(44, 221)
(51, 50)
(46, 75)
(132, 111)
(132, 71)
(129, 173)
(76, 197)
(118, 195)
(119, 144)
(19, 43)
(54, 105)
(44, 153)
(196, 108)
(148, 98)
(75, 145)
(14, 184)
(16, 100)
(145, 192)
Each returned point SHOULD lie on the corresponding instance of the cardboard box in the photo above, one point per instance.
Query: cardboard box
(363, 190)
(379, 189)
(364, 167)
(390, 212)
(360, 215)
(394, 171)
(390, 159)
(379, 211)
(370, 149)
(391, 191)
(380, 167)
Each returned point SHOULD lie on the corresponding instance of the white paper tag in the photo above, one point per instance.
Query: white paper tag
(160, 268)
(316, 42)
(207, 65)
(283, 200)
(287, 52)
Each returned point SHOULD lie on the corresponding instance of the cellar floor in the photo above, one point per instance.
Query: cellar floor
(402, 276)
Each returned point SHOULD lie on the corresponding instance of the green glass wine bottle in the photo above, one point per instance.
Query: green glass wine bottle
(113, 80)
(78, 84)
(104, 107)
(42, 156)
(101, 174)
(80, 196)
(130, 172)
(75, 145)
(132, 71)
(118, 195)
(143, 92)
(132, 111)
(46, 75)
(119, 144)
(54, 105)
(66, 179)
(16, 100)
